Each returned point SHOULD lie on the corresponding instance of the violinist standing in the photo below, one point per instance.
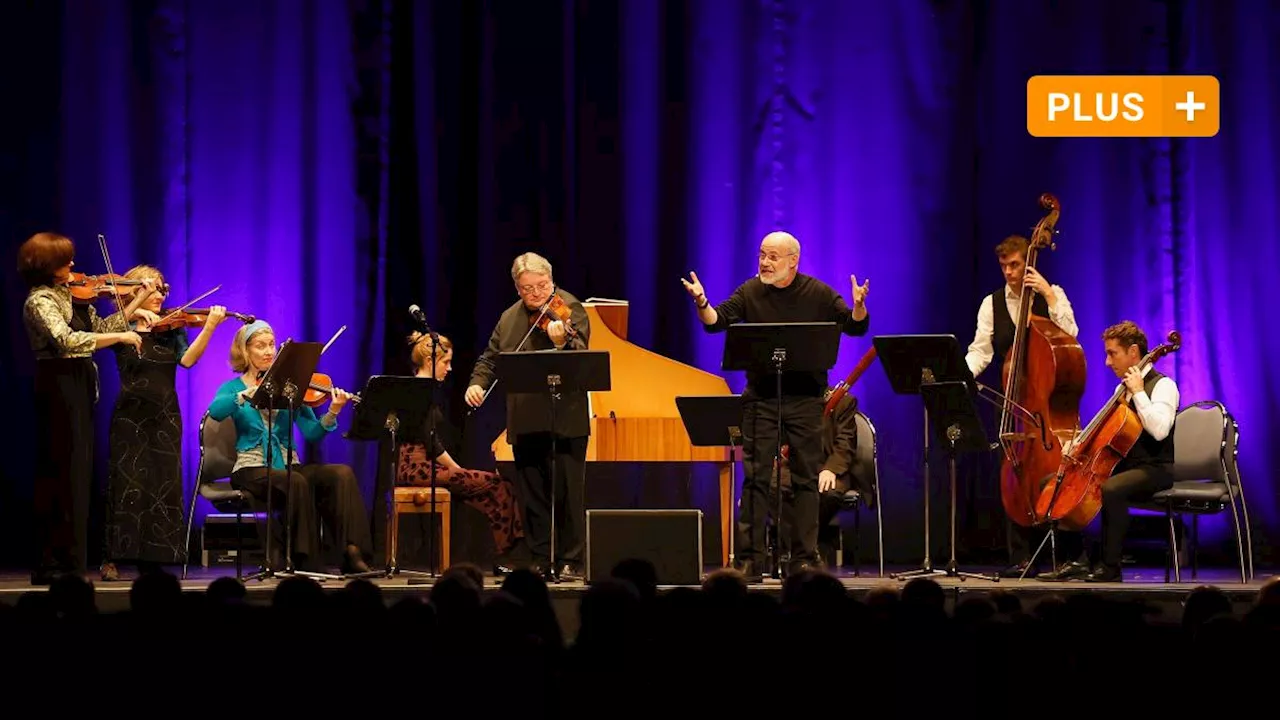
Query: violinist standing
(997, 318)
(144, 523)
(1146, 470)
(63, 336)
(529, 429)
(781, 294)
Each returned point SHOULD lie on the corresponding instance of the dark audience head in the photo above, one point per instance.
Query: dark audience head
(71, 596)
(226, 591)
(725, 587)
(641, 573)
(298, 593)
(1202, 604)
(155, 593)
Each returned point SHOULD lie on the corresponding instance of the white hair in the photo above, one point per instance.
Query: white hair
(532, 263)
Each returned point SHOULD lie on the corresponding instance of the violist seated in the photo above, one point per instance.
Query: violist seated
(317, 492)
(835, 475)
(488, 492)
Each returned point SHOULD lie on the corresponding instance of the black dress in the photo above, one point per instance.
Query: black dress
(66, 390)
(144, 495)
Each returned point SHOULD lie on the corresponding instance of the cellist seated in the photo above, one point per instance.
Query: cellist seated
(1146, 470)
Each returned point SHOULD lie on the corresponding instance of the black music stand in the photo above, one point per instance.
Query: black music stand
(554, 372)
(709, 419)
(386, 403)
(910, 361)
(776, 348)
(285, 382)
(950, 406)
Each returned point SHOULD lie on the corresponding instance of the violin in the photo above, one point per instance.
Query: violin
(319, 390)
(87, 288)
(192, 317)
(843, 388)
(555, 309)
(1044, 375)
(1074, 497)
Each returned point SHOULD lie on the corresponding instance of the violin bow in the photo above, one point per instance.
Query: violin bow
(106, 260)
(335, 337)
(189, 303)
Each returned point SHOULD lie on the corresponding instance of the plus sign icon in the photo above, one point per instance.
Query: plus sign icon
(1123, 106)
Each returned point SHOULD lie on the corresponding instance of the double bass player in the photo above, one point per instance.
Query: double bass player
(998, 317)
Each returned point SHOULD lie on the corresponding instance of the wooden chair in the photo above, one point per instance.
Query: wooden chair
(417, 500)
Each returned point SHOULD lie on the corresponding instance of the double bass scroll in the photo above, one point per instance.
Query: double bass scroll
(1043, 373)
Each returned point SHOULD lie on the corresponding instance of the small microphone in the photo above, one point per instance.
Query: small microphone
(417, 314)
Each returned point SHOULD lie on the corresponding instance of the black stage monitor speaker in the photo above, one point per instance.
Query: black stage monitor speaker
(670, 539)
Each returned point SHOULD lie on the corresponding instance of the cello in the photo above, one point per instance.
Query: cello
(1074, 497)
(1043, 374)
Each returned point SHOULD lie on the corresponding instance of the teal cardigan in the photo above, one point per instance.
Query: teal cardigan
(251, 431)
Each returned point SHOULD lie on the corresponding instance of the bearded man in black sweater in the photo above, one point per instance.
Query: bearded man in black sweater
(779, 293)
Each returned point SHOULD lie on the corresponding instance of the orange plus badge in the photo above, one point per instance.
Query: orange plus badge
(1123, 106)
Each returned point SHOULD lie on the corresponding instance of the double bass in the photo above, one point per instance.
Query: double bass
(1043, 374)
(1074, 497)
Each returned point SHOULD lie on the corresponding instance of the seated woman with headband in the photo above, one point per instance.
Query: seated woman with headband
(326, 492)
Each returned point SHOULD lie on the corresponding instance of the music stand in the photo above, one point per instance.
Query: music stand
(910, 361)
(386, 403)
(555, 372)
(709, 419)
(806, 347)
(956, 422)
(285, 381)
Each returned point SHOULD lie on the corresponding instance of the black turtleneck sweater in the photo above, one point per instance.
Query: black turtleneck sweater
(806, 299)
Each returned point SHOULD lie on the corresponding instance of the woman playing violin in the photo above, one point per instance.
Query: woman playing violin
(487, 492)
(327, 492)
(63, 339)
(144, 523)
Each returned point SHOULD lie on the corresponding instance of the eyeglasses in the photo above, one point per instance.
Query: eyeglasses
(529, 289)
(773, 258)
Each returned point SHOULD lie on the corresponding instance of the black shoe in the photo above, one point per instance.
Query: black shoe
(796, 567)
(1105, 573)
(1016, 570)
(1073, 570)
(501, 570)
(749, 571)
(571, 573)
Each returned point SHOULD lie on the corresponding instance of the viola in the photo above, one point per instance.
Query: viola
(1074, 497)
(88, 288)
(319, 390)
(1043, 374)
(843, 388)
(192, 317)
(556, 309)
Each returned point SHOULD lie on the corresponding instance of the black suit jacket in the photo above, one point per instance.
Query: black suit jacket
(527, 412)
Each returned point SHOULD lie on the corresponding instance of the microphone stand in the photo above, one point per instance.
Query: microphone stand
(431, 445)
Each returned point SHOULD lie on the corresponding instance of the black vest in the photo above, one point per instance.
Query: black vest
(1002, 328)
(1148, 450)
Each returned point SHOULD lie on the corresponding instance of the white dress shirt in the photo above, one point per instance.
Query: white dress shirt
(1156, 411)
(981, 350)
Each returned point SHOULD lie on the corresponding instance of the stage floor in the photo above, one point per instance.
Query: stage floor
(1145, 584)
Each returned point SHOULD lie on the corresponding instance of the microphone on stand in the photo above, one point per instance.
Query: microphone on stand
(416, 313)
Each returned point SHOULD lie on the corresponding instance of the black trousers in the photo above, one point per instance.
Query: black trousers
(829, 504)
(533, 454)
(317, 493)
(65, 394)
(1131, 482)
(801, 427)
